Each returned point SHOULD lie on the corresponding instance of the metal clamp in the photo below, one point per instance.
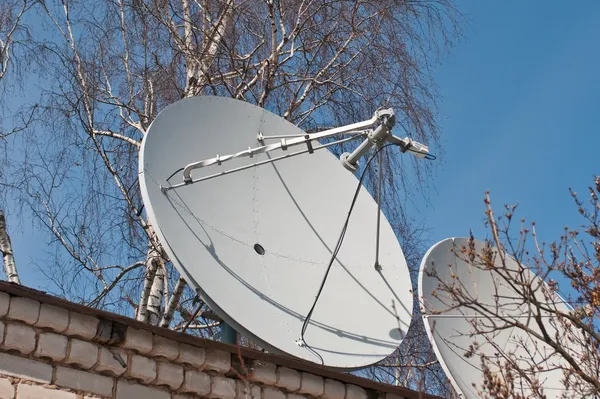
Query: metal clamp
(309, 144)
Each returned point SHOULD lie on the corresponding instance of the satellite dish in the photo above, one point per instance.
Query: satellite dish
(253, 231)
(449, 327)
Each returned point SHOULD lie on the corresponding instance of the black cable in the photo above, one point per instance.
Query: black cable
(174, 173)
(133, 184)
(335, 252)
(139, 212)
(141, 207)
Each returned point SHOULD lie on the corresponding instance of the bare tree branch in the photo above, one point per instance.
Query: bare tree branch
(550, 335)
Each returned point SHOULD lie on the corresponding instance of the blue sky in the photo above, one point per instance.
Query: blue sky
(519, 105)
(520, 109)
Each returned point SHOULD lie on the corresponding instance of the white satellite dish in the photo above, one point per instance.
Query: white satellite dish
(253, 231)
(449, 327)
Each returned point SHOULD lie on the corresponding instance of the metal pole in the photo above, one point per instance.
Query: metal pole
(227, 334)
(379, 183)
(164, 189)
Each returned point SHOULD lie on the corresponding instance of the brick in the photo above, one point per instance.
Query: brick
(142, 368)
(7, 390)
(164, 347)
(38, 392)
(53, 317)
(191, 355)
(23, 309)
(51, 346)
(19, 337)
(217, 360)
(129, 390)
(4, 303)
(262, 372)
(169, 374)
(25, 368)
(311, 384)
(196, 382)
(81, 325)
(255, 392)
(84, 381)
(81, 353)
(222, 387)
(288, 379)
(355, 392)
(138, 340)
(272, 393)
(113, 361)
(333, 389)
(245, 390)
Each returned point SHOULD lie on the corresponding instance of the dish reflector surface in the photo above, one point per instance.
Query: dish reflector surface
(449, 332)
(256, 243)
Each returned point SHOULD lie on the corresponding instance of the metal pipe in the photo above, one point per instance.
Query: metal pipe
(187, 171)
(260, 137)
(164, 189)
(379, 186)
(357, 154)
(350, 160)
(228, 335)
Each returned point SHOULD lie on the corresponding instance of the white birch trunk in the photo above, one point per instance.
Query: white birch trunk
(212, 35)
(156, 294)
(151, 266)
(190, 65)
(10, 267)
(173, 302)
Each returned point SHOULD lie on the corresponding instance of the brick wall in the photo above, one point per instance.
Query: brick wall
(50, 348)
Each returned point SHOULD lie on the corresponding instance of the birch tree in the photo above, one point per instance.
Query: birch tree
(12, 31)
(14, 39)
(110, 66)
(10, 267)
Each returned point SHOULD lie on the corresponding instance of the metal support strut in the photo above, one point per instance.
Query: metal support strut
(227, 334)
(386, 121)
(383, 119)
(379, 188)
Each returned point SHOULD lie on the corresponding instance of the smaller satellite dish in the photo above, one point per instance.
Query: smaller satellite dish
(495, 303)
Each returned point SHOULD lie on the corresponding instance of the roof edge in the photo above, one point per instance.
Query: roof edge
(251, 354)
